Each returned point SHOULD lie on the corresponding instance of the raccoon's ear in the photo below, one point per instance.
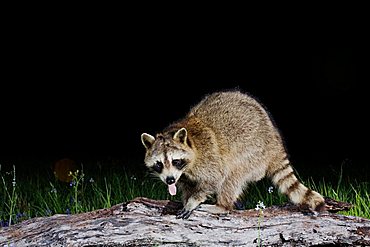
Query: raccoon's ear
(147, 140)
(181, 135)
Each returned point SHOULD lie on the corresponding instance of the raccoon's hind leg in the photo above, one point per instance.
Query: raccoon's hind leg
(229, 192)
(283, 177)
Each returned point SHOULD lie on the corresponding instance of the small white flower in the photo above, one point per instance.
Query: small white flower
(260, 206)
(91, 180)
(270, 189)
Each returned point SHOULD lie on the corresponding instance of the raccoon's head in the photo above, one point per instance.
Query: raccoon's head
(168, 155)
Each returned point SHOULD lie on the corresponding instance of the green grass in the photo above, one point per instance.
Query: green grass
(40, 194)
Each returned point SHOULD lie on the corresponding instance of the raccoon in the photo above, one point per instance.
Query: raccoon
(225, 142)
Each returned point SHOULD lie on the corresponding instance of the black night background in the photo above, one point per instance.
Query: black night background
(80, 85)
(87, 105)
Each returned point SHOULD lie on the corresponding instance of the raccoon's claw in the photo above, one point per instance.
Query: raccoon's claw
(184, 214)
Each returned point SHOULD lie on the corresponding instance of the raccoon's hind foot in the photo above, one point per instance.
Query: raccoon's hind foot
(238, 205)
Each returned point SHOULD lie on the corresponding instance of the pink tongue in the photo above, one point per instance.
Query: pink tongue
(172, 189)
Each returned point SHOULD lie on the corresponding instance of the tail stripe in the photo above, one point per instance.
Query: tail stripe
(281, 180)
(285, 166)
(307, 196)
(284, 178)
(293, 187)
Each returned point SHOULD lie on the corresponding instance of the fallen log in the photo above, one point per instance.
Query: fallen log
(146, 222)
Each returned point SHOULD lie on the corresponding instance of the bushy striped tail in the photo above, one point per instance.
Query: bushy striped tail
(283, 177)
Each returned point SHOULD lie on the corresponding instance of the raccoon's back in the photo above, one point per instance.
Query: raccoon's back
(233, 115)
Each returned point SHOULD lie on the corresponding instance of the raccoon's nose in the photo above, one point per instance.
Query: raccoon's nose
(170, 180)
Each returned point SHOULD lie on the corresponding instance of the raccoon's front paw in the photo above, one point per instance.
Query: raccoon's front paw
(184, 214)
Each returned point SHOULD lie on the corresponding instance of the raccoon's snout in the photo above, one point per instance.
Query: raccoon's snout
(170, 180)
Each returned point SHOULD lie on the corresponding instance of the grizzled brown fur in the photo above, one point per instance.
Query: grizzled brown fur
(225, 142)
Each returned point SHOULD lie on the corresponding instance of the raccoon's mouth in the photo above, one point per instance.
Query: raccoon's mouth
(172, 189)
(171, 183)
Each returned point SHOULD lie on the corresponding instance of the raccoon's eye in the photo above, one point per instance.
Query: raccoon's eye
(178, 163)
(158, 166)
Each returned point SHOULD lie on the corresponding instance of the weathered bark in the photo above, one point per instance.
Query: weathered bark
(152, 223)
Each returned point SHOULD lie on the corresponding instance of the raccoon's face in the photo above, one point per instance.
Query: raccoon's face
(168, 156)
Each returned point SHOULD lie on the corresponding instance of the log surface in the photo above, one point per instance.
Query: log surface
(146, 222)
